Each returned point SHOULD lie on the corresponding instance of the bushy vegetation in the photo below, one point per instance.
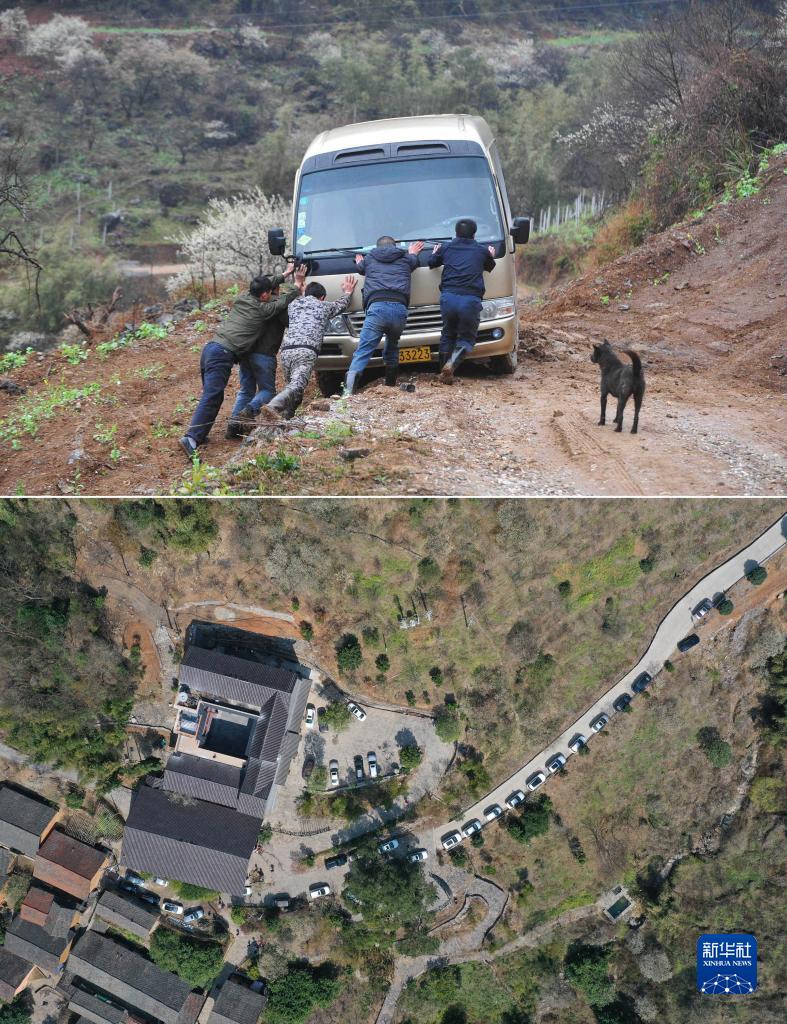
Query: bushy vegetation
(348, 653)
(294, 995)
(587, 970)
(533, 819)
(65, 689)
(391, 894)
(190, 892)
(197, 961)
(337, 715)
(17, 1011)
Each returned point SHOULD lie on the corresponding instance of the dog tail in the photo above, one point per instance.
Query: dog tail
(635, 359)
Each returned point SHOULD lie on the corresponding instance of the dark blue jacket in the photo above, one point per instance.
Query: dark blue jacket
(463, 261)
(387, 270)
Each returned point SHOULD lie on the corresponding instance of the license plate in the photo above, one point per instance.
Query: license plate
(418, 354)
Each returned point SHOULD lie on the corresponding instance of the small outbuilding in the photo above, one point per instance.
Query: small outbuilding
(66, 864)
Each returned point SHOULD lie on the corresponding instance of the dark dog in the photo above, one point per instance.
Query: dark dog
(619, 380)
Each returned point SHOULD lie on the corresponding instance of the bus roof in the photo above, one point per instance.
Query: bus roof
(434, 127)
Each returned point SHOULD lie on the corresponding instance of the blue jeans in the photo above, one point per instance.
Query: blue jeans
(382, 318)
(257, 381)
(215, 364)
(461, 316)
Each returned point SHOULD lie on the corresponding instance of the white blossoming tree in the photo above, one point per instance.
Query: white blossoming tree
(231, 241)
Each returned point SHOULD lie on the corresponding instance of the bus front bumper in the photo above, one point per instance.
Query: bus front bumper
(495, 338)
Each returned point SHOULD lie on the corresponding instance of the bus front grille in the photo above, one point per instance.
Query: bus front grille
(420, 320)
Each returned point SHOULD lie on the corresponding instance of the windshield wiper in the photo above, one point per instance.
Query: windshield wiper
(341, 250)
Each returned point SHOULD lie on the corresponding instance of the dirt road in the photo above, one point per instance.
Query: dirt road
(704, 303)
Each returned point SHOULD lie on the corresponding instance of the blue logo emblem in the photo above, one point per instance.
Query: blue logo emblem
(726, 964)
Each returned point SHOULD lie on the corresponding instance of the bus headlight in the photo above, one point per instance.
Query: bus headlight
(493, 309)
(338, 325)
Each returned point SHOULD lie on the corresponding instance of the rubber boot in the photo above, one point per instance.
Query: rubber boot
(391, 374)
(450, 367)
(350, 383)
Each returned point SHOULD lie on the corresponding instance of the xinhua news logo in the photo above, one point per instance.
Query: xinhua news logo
(726, 965)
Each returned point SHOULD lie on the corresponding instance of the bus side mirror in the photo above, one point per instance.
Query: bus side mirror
(520, 230)
(276, 242)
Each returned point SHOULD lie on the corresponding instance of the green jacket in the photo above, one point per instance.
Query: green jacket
(250, 320)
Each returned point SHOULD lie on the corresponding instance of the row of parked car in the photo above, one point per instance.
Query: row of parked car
(134, 883)
(558, 760)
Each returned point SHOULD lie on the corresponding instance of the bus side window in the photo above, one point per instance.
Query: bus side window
(501, 181)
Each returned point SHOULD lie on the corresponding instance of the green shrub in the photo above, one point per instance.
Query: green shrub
(586, 968)
(16, 1012)
(410, 757)
(448, 723)
(75, 798)
(532, 821)
(307, 631)
(371, 636)
(337, 715)
(147, 556)
(348, 653)
(266, 833)
(294, 995)
(383, 662)
(646, 564)
(717, 750)
(190, 892)
(197, 961)
(668, 666)
(564, 588)
(409, 696)
(725, 607)
(428, 572)
(757, 575)
(436, 675)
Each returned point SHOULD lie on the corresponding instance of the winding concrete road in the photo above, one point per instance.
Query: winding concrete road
(676, 624)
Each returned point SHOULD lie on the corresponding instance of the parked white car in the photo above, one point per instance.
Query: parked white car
(417, 855)
(493, 812)
(516, 798)
(471, 827)
(451, 840)
(172, 908)
(359, 713)
(599, 722)
(161, 881)
(193, 915)
(374, 771)
(388, 845)
(554, 764)
(319, 889)
(577, 743)
(702, 609)
(333, 768)
(535, 780)
(311, 715)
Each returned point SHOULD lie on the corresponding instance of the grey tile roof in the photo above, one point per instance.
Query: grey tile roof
(289, 748)
(206, 780)
(6, 857)
(94, 1009)
(237, 1004)
(236, 679)
(13, 971)
(126, 912)
(128, 977)
(22, 820)
(40, 946)
(193, 841)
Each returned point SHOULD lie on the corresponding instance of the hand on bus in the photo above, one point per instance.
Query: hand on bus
(415, 248)
(491, 250)
(358, 257)
(437, 248)
(289, 270)
(300, 273)
(348, 284)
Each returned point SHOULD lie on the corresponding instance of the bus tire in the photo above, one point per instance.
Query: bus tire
(503, 364)
(330, 382)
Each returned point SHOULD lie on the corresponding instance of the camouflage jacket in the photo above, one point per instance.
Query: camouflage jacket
(308, 319)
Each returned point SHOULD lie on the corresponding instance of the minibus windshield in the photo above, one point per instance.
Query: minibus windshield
(349, 207)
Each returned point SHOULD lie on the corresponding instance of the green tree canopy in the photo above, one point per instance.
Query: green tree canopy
(532, 821)
(392, 893)
(197, 961)
(294, 995)
(586, 969)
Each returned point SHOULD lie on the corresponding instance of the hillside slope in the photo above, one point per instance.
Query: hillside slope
(704, 303)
